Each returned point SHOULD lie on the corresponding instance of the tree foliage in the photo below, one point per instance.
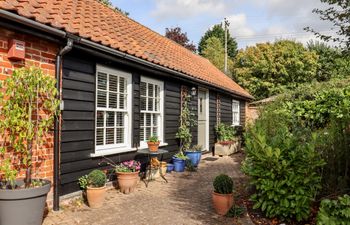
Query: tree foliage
(218, 32)
(180, 37)
(215, 52)
(332, 62)
(338, 14)
(271, 68)
(109, 4)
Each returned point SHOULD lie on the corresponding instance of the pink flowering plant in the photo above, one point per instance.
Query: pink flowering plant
(128, 166)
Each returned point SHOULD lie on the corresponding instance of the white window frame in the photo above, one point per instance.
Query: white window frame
(236, 123)
(143, 144)
(126, 146)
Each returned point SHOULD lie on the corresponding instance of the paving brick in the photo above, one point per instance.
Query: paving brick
(185, 200)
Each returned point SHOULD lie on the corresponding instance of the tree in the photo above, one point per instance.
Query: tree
(332, 62)
(109, 4)
(214, 51)
(339, 15)
(179, 37)
(219, 32)
(270, 68)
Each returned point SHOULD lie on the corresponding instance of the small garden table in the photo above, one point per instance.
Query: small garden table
(151, 155)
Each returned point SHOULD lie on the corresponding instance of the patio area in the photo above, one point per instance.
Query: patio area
(185, 199)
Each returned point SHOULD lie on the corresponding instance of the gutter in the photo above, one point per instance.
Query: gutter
(56, 154)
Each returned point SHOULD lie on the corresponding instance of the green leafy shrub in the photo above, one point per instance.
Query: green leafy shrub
(334, 212)
(96, 178)
(223, 184)
(283, 167)
(225, 132)
(153, 139)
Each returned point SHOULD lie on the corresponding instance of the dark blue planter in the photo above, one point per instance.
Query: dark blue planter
(169, 167)
(195, 157)
(179, 164)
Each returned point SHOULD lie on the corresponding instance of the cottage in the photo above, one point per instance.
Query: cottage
(120, 82)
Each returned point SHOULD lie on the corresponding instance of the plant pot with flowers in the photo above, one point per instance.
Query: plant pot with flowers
(23, 130)
(222, 194)
(227, 141)
(128, 175)
(94, 185)
(153, 143)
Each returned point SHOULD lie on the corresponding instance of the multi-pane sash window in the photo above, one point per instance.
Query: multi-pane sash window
(151, 123)
(113, 102)
(235, 112)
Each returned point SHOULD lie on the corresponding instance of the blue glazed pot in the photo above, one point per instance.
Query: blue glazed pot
(195, 157)
(179, 164)
(169, 167)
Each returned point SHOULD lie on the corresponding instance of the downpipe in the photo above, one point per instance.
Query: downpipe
(56, 154)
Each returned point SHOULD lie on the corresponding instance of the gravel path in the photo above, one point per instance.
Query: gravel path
(185, 200)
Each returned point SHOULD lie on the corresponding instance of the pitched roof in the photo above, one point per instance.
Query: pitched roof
(92, 20)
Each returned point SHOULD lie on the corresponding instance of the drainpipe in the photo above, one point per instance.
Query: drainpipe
(56, 154)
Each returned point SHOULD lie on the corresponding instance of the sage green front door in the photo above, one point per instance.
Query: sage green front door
(202, 119)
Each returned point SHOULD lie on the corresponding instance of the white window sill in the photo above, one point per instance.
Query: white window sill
(146, 147)
(112, 152)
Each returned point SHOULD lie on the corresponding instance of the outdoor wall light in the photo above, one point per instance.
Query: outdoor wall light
(193, 91)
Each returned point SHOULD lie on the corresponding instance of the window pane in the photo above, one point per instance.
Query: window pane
(156, 90)
(102, 81)
(120, 135)
(120, 119)
(148, 119)
(113, 83)
(142, 119)
(143, 103)
(113, 97)
(155, 131)
(99, 136)
(109, 119)
(101, 99)
(142, 134)
(122, 85)
(155, 119)
(150, 104)
(109, 136)
(100, 119)
(143, 89)
(150, 90)
(148, 132)
(122, 101)
(157, 107)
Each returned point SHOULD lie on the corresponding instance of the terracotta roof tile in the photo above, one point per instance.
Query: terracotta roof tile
(92, 20)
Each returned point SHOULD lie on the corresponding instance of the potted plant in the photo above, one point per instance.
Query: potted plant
(179, 161)
(222, 194)
(153, 143)
(22, 134)
(128, 175)
(94, 184)
(227, 142)
(194, 154)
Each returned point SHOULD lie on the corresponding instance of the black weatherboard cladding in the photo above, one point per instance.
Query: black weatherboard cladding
(226, 109)
(212, 118)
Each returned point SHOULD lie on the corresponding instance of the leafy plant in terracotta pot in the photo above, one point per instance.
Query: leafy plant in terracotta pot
(153, 143)
(95, 186)
(128, 175)
(29, 105)
(222, 194)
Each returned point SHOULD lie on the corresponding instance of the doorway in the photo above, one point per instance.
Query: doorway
(203, 118)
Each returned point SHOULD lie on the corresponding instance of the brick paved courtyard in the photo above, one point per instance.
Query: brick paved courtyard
(186, 199)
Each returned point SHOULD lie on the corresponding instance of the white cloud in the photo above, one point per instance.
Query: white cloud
(239, 26)
(184, 9)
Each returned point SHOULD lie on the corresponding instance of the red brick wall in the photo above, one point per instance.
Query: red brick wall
(42, 54)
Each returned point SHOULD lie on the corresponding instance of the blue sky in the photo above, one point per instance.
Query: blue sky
(252, 21)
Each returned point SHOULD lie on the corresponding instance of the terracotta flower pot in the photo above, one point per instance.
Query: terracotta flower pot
(153, 146)
(127, 182)
(95, 196)
(222, 202)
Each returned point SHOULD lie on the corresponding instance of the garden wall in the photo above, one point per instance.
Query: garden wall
(39, 53)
